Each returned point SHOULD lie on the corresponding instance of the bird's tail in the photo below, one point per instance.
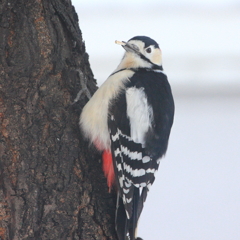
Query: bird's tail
(121, 220)
(126, 226)
(134, 218)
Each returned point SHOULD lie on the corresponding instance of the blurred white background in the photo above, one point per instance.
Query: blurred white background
(196, 195)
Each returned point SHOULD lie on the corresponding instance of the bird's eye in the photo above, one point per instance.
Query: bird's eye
(148, 50)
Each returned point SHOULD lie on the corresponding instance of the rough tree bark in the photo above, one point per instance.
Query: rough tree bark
(51, 184)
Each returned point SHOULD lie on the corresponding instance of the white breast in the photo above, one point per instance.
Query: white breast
(94, 116)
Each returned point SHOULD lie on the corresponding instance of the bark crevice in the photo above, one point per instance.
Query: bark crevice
(51, 183)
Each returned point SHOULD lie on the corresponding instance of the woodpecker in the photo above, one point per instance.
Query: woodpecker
(129, 119)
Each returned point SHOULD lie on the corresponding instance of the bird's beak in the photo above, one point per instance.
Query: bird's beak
(128, 47)
(120, 43)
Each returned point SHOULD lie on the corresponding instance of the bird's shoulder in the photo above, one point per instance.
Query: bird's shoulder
(149, 78)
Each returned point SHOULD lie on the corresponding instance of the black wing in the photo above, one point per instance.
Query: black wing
(135, 162)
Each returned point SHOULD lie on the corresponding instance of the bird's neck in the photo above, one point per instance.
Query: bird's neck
(130, 61)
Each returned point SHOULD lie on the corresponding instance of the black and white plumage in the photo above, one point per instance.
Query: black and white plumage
(129, 118)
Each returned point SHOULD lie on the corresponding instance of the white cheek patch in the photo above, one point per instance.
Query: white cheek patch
(156, 56)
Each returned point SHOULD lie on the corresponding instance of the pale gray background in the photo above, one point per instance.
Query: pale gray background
(196, 195)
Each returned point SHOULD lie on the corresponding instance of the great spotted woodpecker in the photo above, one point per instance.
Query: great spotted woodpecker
(129, 119)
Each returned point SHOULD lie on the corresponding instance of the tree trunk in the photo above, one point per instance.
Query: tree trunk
(51, 184)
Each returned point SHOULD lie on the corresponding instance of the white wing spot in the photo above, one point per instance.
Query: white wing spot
(119, 167)
(115, 137)
(127, 184)
(143, 185)
(132, 155)
(117, 152)
(126, 190)
(146, 159)
(150, 170)
(134, 173)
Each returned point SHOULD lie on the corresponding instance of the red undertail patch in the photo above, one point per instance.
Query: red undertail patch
(108, 168)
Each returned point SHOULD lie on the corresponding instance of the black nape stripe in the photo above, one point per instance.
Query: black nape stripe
(119, 71)
(154, 67)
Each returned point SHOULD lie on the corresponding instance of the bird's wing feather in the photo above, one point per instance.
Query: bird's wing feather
(140, 120)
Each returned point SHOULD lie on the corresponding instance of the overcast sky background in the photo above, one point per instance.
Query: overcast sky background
(196, 195)
(199, 39)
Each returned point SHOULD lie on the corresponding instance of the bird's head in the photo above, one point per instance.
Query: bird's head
(141, 52)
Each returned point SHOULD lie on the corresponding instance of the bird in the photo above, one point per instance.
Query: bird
(129, 120)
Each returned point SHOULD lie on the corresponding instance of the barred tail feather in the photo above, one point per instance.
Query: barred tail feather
(127, 227)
